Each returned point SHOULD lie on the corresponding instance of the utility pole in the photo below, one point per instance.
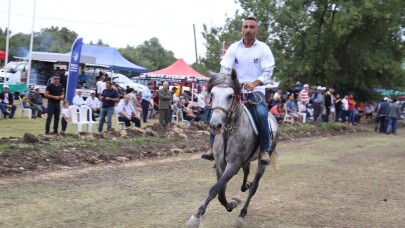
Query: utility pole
(195, 45)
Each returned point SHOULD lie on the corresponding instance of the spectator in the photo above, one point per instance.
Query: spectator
(276, 111)
(109, 96)
(164, 104)
(127, 113)
(393, 114)
(78, 99)
(291, 108)
(146, 98)
(94, 103)
(27, 105)
(302, 108)
(303, 96)
(352, 105)
(382, 110)
(345, 108)
(155, 98)
(369, 110)
(206, 97)
(329, 103)
(338, 107)
(6, 99)
(189, 115)
(100, 85)
(316, 99)
(35, 101)
(65, 116)
(55, 93)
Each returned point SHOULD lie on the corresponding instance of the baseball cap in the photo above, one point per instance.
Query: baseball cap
(36, 87)
(92, 91)
(5, 86)
(323, 88)
(306, 85)
(319, 88)
(385, 98)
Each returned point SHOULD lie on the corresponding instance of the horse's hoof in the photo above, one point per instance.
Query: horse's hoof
(233, 204)
(209, 156)
(239, 222)
(246, 186)
(193, 222)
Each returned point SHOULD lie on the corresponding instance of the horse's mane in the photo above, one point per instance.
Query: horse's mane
(224, 80)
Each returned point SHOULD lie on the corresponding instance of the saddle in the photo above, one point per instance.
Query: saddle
(254, 121)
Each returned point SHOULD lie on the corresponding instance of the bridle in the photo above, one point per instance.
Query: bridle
(230, 122)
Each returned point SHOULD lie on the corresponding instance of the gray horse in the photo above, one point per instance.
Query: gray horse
(235, 146)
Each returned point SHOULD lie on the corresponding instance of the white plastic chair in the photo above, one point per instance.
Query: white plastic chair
(75, 115)
(288, 118)
(119, 122)
(86, 114)
(29, 111)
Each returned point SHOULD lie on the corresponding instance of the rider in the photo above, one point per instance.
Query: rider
(254, 63)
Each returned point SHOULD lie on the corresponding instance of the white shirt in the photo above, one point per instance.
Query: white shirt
(100, 86)
(93, 102)
(146, 94)
(127, 108)
(65, 112)
(345, 104)
(78, 100)
(250, 63)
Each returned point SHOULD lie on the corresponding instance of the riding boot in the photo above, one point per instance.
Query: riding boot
(264, 157)
(208, 155)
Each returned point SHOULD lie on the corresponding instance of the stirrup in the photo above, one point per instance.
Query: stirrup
(209, 156)
(265, 160)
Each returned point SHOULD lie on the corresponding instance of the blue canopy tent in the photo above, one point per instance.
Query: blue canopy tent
(110, 57)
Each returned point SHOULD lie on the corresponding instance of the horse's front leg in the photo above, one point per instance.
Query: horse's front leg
(245, 184)
(218, 187)
(255, 184)
(222, 194)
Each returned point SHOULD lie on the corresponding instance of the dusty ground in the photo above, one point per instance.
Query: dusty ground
(348, 180)
(41, 153)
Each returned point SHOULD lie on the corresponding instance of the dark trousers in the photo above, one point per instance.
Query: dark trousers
(383, 124)
(163, 116)
(53, 110)
(317, 110)
(64, 124)
(127, 122)
(327, 108)
(145, 108)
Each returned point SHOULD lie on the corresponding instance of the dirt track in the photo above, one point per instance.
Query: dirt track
(354, 180)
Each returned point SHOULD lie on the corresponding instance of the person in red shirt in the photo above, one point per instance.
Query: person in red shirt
(352, 106)
(277, 113)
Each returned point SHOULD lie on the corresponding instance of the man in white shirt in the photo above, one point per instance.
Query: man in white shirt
(78, 99)
(146, 97)
(100, 85)
(126, 113)
(254, 63)
(345, 108)
(94, 103)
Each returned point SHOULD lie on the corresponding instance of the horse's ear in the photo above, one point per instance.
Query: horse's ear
(233, 74)
(212, 74)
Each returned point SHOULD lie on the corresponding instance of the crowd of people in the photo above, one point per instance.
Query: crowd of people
(322, 105)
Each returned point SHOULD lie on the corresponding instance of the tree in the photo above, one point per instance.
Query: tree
(352, 47)
(152, 55)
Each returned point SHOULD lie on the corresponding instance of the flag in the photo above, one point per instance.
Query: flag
(74, 67)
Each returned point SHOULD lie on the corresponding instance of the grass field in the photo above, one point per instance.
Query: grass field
(17, 127)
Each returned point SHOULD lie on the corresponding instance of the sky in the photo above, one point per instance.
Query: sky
(123, 22)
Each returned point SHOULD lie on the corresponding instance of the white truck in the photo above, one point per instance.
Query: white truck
(42, 68)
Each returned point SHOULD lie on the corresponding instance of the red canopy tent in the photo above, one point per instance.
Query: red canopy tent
(2, 55)
(179, 71)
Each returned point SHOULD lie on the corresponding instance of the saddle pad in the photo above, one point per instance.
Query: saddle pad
(251, 120)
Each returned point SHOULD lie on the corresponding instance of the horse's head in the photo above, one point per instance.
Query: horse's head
(225, 97)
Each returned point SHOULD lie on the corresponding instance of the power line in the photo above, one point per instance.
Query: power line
(96, 22)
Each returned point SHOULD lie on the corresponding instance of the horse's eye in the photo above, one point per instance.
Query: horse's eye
(212, 95)
(230, 96)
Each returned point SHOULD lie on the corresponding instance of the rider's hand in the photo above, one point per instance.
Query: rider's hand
(250, 86)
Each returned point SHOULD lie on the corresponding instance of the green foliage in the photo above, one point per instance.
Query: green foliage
(153, 56)
(354, 48)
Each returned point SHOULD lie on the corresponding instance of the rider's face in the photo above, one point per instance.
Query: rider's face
(250, 30)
